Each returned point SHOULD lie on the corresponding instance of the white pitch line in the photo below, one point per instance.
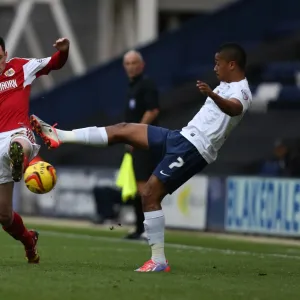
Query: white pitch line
(175, 246)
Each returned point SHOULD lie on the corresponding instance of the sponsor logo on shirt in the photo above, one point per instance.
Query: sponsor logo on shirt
(9, 73)
(41, 60)
(8, 85)
(245, 95)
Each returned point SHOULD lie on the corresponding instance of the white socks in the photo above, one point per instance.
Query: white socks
(155, 229)
(66, 136)
(88, 136)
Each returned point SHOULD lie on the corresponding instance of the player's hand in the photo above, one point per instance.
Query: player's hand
(204, 88)
(62, 44)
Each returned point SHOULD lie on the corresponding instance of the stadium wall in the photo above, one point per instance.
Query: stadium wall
(245, 205)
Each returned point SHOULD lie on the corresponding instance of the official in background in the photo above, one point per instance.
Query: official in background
(142, 107)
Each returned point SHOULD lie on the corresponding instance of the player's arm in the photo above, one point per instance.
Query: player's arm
(33, 68)
(151, 101)
(149, 116)
(232, 107)
(58, 59)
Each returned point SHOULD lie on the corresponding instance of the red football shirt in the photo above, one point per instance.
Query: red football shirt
(15, 84)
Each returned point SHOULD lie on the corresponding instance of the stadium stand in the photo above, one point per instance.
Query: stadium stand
(272, 42)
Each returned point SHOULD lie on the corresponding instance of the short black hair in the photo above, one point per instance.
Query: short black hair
(2, 43)
(234, 52)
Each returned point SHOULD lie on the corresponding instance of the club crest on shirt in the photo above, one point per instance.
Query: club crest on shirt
(10, 72)
(245, 95)
(132, 103)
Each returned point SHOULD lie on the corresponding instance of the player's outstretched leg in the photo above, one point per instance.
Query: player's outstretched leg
(12, 223)
(154, 224)
(137, 136)
(133, 134)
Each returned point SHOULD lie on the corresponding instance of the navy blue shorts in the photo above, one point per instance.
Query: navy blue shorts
(177, 158)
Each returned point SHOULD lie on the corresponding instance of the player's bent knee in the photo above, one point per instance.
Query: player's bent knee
(121, 126)
(152, 195)
(116, 132)
(140, 187)
(5, 218)
(149, 202)
(6, 191)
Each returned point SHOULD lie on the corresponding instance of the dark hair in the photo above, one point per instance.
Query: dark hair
(2, 43)
(234, 52)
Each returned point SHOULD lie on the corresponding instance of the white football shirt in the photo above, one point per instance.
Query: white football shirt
(210, 127)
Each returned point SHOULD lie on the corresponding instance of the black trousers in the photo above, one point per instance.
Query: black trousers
(143, 167)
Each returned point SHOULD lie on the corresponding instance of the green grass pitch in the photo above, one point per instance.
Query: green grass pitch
(97, 264)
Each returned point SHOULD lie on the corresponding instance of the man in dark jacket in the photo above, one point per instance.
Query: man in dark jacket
(142, 107)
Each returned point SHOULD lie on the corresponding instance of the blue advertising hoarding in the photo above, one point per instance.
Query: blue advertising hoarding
(263, 205)
(216, 204)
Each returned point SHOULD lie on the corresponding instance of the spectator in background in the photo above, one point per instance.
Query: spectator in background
(142, 107)
(277, 165)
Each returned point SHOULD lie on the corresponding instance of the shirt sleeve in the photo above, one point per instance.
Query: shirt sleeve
(57, 61)
(151, 98)
(242, 95)
(35, 68)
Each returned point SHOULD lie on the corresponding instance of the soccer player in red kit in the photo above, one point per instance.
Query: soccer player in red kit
(17, 142)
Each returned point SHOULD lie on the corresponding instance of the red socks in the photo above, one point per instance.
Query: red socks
(19, 232)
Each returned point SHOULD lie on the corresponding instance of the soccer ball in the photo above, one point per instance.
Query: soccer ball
(40, 178)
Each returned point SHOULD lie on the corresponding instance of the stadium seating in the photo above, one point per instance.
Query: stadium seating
(289, 93)
(279, 84)
(283, 72)
(178, 57)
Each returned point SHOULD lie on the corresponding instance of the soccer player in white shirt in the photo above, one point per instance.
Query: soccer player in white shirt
(180, 154)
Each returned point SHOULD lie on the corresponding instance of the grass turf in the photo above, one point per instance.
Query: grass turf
(97, 264)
